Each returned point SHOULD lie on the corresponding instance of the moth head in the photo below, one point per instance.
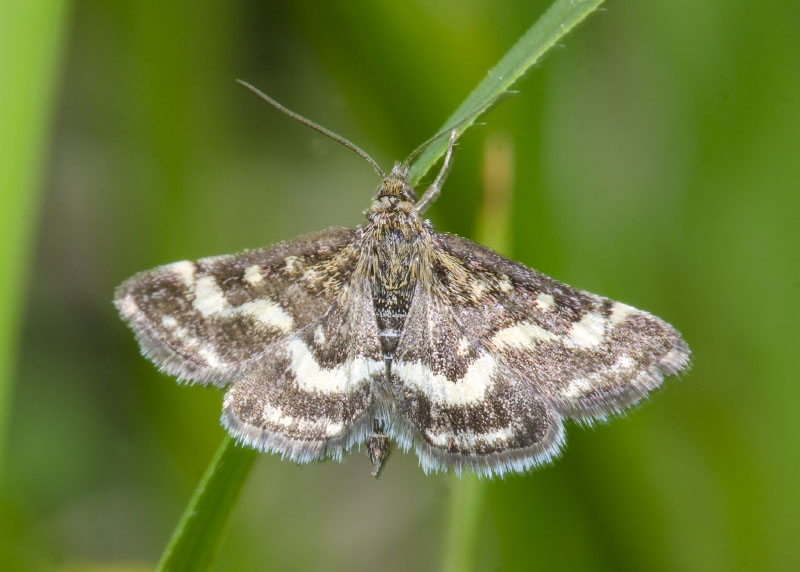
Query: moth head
(395, 186)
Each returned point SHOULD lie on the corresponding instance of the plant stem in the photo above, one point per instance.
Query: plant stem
(467, 495)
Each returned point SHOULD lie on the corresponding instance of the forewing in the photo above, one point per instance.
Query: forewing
(312, 396)
(586, 355)
(214, 319)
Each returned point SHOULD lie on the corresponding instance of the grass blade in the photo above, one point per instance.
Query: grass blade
(552, 26)
(197, 537)
(30, 42)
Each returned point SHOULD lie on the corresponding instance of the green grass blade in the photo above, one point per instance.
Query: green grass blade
(551, 27)
(30, 42)
(197, 537)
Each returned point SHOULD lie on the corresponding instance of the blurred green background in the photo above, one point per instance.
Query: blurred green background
(655, 161)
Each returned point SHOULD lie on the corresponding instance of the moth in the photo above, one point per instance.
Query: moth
(392, 331)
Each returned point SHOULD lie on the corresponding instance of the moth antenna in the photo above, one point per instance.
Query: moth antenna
(328, 133)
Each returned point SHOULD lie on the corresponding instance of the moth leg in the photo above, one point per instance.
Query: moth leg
(433, 191)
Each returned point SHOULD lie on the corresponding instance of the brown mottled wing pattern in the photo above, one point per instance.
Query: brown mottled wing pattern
(314, 396)
(291, 326)
(208, 321)
(495, 354)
